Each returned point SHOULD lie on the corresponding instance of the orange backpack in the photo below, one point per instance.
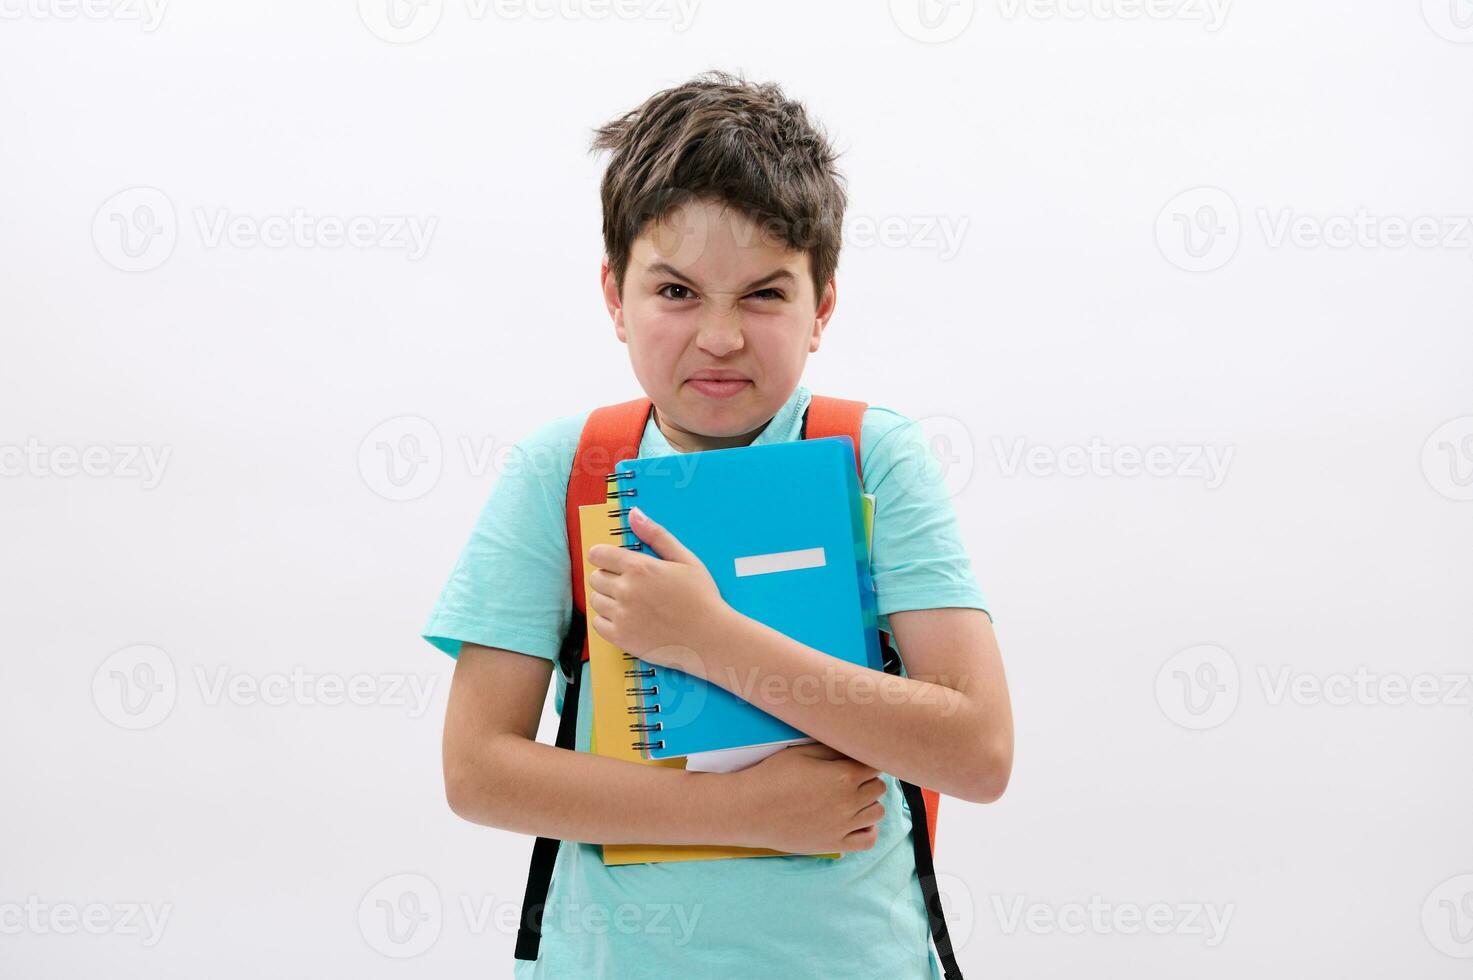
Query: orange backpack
(612, 433)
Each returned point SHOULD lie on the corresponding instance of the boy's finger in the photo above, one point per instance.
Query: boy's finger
(664, 543)
(601, 603)
(603, 626)
(869, 816)
(610, 558)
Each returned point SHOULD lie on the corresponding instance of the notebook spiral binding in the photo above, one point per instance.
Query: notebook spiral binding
(646, 706)
(614, 492)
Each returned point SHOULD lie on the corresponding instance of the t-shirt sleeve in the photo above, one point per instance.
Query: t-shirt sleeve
(918, 558)
(511, 586)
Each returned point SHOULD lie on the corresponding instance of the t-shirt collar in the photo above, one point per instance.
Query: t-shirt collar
(784, 426)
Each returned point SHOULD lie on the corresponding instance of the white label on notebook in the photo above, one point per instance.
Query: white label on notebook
(780, 561)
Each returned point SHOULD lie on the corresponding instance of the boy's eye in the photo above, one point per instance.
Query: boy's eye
(684, 292)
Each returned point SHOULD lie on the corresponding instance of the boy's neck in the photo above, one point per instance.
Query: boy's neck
(693, 442)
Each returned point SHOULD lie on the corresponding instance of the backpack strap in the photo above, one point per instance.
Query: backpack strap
(611, 433)
(843, 417)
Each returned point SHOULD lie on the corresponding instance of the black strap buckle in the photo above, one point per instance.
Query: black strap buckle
(890, 657)
(570, 657)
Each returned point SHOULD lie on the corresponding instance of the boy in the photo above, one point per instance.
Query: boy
(722, 222)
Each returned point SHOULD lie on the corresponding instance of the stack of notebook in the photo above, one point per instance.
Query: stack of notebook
(784, 530)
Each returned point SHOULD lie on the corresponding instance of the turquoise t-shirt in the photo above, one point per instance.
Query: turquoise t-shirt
(857, 917)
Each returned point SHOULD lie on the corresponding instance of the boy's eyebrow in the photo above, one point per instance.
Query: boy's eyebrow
(665, 269)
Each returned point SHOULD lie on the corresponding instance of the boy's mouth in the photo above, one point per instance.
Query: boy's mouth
(718, 389)
(719, 384)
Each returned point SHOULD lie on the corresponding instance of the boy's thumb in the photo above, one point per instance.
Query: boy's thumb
(660, 539)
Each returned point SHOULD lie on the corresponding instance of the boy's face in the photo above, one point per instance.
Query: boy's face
(708, 291)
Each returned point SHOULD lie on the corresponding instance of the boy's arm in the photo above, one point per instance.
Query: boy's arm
(497, 774)
(947, 726)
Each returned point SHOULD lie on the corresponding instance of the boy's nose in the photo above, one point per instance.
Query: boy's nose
(720, 332)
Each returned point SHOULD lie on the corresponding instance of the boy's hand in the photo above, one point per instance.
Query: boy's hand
(654, 608)
(808, 799)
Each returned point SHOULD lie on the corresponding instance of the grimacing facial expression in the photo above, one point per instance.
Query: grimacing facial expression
(719, 316)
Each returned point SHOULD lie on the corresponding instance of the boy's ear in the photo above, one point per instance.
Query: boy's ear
(612, 300)
(826, 304)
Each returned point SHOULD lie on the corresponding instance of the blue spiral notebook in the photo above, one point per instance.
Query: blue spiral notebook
(781, 529)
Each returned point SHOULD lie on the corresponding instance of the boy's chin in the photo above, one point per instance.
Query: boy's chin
(720, 418)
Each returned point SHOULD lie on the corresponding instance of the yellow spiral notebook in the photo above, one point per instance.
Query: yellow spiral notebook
(612, 701)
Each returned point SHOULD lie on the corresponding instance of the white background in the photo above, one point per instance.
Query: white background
(1074, 310)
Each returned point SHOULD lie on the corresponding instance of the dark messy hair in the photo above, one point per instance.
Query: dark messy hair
(721, 137)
